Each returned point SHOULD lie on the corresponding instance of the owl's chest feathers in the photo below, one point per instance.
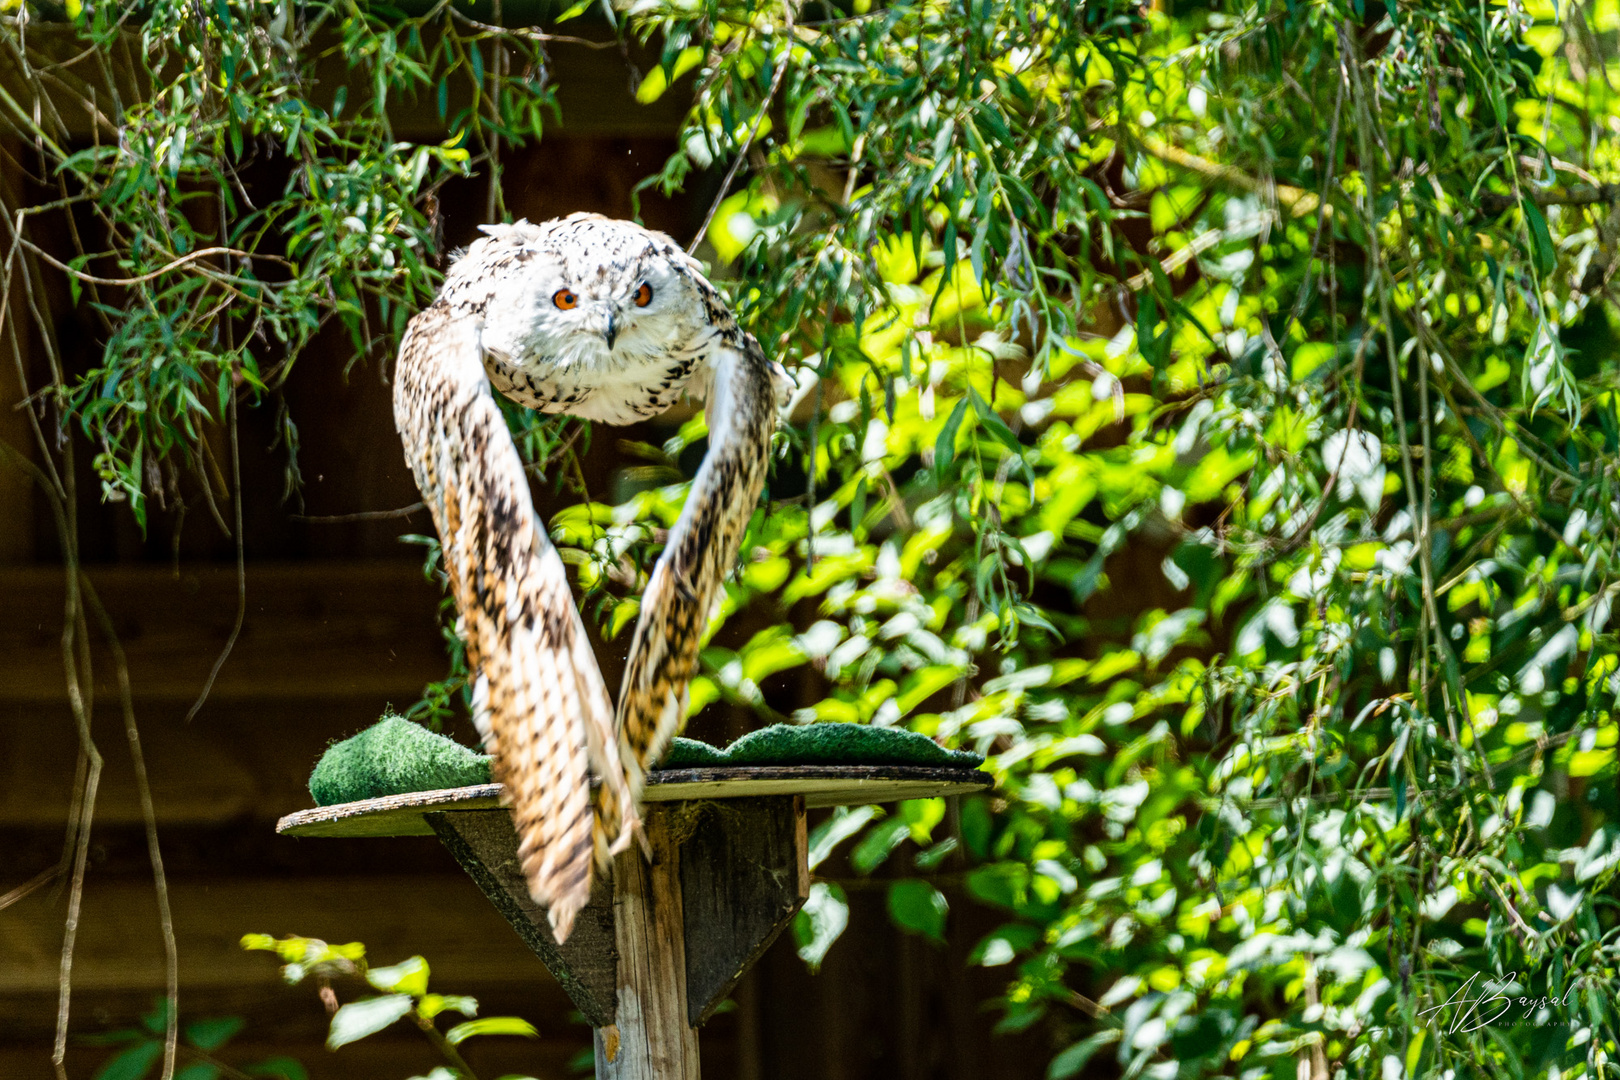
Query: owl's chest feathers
(589, 381)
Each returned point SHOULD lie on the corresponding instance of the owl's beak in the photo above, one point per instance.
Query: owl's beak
(611, 331)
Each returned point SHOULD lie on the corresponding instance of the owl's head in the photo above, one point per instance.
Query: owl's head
(585, 287)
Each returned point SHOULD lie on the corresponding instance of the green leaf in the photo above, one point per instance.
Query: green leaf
(406, 977)
(1069, 1063)
(131, 1064)
(1003, 945)
(876, 845)
(921, 815)
(432, 1005)
(945, 445)
(1153, 345)
(918, 907)
(1542, 251)
(358, 1019)
(199, 1070)
(1002, 433)
(844, 823)
(1028, 614)
(491, 1025)
(212, 1033)
(285, 1068)
(820, 922)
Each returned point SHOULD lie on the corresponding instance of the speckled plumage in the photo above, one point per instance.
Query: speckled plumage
(539, 699)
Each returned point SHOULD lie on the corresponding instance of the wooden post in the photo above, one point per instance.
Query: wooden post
(652, 1039)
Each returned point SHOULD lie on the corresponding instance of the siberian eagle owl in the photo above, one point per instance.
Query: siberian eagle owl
(603, 320)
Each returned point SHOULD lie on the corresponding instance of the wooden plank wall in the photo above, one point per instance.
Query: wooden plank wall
(338, 624)
(325, 644)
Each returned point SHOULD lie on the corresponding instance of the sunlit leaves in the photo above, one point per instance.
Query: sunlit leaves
(406, 977)
(357, 1019)
(820, 922)
(1289, 525)
(493, 1025)
(407, 997)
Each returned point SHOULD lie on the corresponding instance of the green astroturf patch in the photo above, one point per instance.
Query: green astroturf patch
(843, 744)
(392, 757)
(691, 754)
(395, 756)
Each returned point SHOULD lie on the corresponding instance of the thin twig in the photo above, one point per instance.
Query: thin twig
(532, 35)
(160, 271)
(443, 1045)
(143, 785)
(742, 151)
(241, 567)
(38, 881)
(1375, 258)
(1583, 195)
(362, 515)
(78, 683)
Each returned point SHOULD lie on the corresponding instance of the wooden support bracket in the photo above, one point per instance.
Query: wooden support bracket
(657, 950)
(485, 845)
(744, 875)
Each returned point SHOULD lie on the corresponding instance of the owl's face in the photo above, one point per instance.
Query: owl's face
(590, 291)
(633, 306)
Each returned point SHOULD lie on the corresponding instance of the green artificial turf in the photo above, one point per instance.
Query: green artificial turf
(395, 756)
(392, 757)
(691, 754)
(843, 744)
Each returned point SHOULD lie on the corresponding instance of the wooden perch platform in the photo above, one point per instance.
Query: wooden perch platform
(663, 943)
(821, 786)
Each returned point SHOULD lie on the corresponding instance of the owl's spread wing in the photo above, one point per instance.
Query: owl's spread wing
(702, 548)
(538, 697)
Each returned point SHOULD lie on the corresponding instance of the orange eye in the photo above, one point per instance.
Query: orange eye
(644, 295)
(564, 299)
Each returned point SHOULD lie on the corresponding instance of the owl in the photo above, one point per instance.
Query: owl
(603, 320)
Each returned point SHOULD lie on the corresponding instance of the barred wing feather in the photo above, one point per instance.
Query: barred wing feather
(538, 697)
(702, 548)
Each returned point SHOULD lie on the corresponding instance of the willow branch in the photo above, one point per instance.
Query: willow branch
(241, 566)
(143, 786)
(1580, 195)
(742, 151)
(362, 515)
(191, 256)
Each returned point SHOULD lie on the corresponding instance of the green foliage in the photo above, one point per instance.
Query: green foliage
(197, 1049)
(918, 907)
(1214, 423)
(490, 1025)
(238, 211)
(405, 995)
